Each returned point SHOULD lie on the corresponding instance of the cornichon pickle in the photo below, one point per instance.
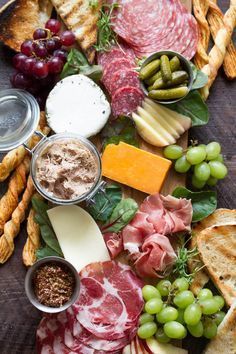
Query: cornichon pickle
(168, 94)
(174, 65)
(178, 77)
(149, 69)
(166, 73)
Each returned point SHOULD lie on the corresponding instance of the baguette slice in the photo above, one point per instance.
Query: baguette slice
(217, 249)
(81, 18)
(225, 340)
(219, 217)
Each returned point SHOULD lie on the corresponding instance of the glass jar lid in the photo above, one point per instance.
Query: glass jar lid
(19, 117)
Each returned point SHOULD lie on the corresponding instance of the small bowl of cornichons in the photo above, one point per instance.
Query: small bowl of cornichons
(166, 77)
(52, 284)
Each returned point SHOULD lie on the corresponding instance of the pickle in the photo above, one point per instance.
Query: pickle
(178, 77)
(149, 69)
(168, 94)
(174, 65)
(166, 73)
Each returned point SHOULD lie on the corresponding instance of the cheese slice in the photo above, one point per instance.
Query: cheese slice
(134, 167)
(79, 236)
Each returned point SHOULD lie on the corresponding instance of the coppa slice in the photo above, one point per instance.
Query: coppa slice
(126, 100)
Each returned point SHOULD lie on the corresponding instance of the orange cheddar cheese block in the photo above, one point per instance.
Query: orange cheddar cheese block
(134, 167)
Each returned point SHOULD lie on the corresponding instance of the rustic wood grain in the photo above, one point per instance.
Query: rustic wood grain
(18, 319)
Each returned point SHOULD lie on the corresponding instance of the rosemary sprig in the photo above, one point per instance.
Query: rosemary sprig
(106, 36)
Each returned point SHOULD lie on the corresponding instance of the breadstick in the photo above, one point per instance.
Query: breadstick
(215, 19)
(200, 8)
(16, 156)
(217, 53)
(33, 240)
(12, 227)
(17, 184)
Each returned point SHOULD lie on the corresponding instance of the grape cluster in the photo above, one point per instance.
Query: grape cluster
(206, 162)
(171, 311)
(42, 57)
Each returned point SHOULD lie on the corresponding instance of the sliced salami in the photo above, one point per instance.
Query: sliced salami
(116, 52)
(112, 68)
(122, 78)
(126, 100)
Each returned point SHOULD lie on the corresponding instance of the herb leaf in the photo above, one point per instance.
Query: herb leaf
(204, 203)
(46, 252)
(122, 129)
(104, 203)
(200, 79)
(193, 107)
(121, 215)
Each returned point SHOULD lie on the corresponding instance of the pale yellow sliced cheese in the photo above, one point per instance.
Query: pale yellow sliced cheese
(79, 236)
(149, 134)
(164, 122)
(155, 125)
(163, 348)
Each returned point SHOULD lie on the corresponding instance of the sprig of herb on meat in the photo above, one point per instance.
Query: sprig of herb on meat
(106, 36)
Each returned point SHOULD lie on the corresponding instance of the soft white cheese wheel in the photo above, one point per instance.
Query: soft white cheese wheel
(77, 105)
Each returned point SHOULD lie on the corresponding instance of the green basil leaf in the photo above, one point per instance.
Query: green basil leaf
(204, 203)
(193, 107)
(105, 202)
(46, 252)
(122, 129)
(92, 71)
(76, 58)
(68, 71)
(195, 70)
(121, 215)
(200, 81)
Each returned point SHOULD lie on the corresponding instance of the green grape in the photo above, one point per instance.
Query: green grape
(205, 294)
(212, 181)
(220, 300)
(167, 314)
(180, 317)
(202, 171)
(213, 149)
(196, 183)
(173, 152)
(192, 314)
(175, 330)
(145, 317)
(218, 169)
(161, 336)
(218, 317)
(197, 330)
(150, 292)
(153, 306)
(196, 154)
(164, 287)
(147, 330)
(219, 158)
(210, 329)
(183, 299)
(180, 284)
(182, 165)
(209, 306)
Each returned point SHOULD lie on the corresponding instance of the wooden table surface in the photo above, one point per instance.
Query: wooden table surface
(18, 319)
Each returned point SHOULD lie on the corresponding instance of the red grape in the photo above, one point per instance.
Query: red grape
(27, 65)
(55, 65)
(40, 50)
(21, 81)
(40, 33)
(53, 25)
(40, 69)
(18, 60)
(51, 45)
(67, 38)
(61, 53)
(57, 42)
(27, 47)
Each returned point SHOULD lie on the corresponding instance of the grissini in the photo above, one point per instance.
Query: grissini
(217, 53)
(215, 19)
(200, 8)
(12, 227)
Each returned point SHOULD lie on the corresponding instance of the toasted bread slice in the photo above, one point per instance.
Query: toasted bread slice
(20, 18)
(81, 18)
(217, 249)
(225, 340)
(219, 217)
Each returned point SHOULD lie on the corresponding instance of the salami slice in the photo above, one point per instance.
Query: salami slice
(112, 68)
(122, 78)
(116, 52)
(126, 100)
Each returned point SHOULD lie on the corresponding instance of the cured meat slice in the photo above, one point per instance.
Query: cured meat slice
(126, 100)
(114, 243)
(123, 78)
(112, 68)
(110, 301)
(116, 52)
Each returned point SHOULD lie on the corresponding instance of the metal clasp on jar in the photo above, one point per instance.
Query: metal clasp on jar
(101, 189)
(41, 135)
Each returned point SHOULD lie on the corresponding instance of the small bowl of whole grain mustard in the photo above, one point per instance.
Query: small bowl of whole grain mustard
(52, 284)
